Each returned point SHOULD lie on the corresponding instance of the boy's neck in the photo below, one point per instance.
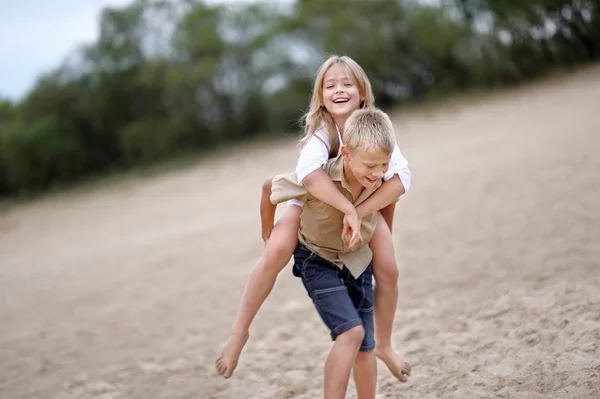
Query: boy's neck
(355, 187)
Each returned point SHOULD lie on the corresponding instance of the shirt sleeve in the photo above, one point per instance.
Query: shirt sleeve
(399, 166)
(314, 155)
(286, 187)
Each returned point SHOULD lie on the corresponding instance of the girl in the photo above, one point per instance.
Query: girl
(341, 87)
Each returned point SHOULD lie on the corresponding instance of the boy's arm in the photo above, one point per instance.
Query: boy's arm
(267, 210)
(385, 196)
(319, 184)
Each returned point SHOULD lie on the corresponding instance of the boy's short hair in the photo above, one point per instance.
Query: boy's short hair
(369, 129)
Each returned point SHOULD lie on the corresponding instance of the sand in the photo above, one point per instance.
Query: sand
(128, 290)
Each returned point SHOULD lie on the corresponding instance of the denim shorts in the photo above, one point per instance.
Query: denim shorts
(342, 301)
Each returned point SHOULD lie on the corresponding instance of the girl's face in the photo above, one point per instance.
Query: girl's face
(340, 93)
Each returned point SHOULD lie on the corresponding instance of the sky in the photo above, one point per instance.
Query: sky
(37, 35)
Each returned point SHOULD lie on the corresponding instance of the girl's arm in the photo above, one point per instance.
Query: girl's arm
(397, 182)
(310, 173)
(319, 184)
(386, 195)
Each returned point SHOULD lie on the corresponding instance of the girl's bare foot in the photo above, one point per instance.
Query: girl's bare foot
(228, 360)
(399, 369)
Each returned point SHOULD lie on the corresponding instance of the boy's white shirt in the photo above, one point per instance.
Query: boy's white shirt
(315, 154)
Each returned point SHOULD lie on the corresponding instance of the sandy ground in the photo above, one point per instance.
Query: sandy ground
(128, 291)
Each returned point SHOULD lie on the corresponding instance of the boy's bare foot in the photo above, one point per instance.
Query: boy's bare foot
(228, 360)
(399, 369)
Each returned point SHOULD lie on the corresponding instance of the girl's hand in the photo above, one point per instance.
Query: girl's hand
(351, 231)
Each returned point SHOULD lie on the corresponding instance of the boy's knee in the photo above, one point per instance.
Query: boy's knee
(353, 336)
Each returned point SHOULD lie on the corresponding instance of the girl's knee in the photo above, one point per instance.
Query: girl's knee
(385, 269)
(278, 252)
(385, 272)
(283, 241)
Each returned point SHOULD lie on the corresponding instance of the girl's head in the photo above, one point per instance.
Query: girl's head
(341, 87)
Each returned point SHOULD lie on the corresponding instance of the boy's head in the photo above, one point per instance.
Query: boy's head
(369, 141)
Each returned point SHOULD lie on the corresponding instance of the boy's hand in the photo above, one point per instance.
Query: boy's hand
(351, 231)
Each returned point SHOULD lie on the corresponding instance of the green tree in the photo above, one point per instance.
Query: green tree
(166, 76)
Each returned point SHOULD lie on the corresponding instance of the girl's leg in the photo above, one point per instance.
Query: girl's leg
(385, 272)
(276, 255)
(365, 375)
(340, 360)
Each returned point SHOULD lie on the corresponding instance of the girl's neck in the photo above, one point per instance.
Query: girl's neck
(340, 122)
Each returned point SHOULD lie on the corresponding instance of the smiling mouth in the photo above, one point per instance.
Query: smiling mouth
(341, 100)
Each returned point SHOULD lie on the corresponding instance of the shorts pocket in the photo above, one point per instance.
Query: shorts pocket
(336, 309)
(365, 287)
(302, 257)
(323, 291)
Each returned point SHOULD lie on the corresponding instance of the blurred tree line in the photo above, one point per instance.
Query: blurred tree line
(172, 76)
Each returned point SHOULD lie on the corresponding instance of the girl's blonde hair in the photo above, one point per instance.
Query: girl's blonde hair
(318, 115)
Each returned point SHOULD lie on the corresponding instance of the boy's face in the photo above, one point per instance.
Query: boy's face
(367, 166)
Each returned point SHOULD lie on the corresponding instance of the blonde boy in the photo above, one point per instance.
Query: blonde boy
(338, 278)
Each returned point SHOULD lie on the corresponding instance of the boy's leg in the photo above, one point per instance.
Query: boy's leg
(261, 280)
(365, 375)
(365, 364)
(326, 285)
(339, 362)
(386, 299)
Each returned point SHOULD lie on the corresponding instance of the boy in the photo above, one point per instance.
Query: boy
(338, 279)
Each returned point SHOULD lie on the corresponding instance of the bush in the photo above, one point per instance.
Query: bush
(148, 140)
(38, 153)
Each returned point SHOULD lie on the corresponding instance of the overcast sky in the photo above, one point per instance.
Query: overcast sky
(36, 35)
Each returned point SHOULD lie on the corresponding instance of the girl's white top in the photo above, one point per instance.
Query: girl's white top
(315, 154)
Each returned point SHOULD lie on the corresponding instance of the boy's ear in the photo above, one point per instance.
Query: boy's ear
(345, 153)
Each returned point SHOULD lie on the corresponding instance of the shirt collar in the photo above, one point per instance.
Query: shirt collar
(336, 170)
(336, 173)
